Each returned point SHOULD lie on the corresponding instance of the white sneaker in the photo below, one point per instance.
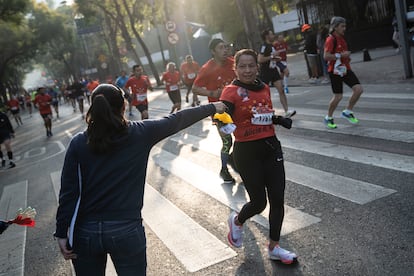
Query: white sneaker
(235, 235)
(290, 113)
(325, 81)
(282, 255)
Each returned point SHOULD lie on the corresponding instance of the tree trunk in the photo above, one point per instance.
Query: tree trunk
(143, 45)
(249, 22)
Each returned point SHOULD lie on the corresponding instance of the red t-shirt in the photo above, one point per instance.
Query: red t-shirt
(281, 47)
(138, 88)
(341, 46)
(43, 102)
(171, 80)
(189, 72)
(213, 76)
(252, 113)
(92, 85)
(13, 104)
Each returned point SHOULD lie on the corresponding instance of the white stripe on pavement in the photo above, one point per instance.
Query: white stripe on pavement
(233, 196)
(13, 240)
(378, 117)
(369, 157)
(181, 234)
(343, 187)
(359, 130)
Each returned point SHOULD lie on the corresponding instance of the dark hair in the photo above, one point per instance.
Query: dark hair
(135, 66)
(214, 42)
(246, 52)
(105, 117)
(265, 33)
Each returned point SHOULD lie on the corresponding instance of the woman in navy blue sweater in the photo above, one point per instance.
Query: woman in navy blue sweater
(102, 184)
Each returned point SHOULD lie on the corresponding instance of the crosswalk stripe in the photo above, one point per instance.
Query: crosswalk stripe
(182, 235)
(369, 157)
(359, 130)
(343, 187)
(376, 117)
(13, 240)
(233, 196)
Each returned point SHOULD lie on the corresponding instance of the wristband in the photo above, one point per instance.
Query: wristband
(338, 55)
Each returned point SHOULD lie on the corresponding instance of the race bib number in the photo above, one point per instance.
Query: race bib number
(191, 76)
(262, 119)
(173, 87)
(141, 97)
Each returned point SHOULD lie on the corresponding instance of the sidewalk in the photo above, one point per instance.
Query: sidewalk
(386, 66)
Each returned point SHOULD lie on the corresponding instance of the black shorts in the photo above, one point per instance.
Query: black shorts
(269, 76)
(282, 65)
(4, 136)
(349, 79)
(175, 96)
(142, 107)
(14, 112)
(46, 116)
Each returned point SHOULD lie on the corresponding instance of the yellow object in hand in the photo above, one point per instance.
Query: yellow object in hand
(223, 117)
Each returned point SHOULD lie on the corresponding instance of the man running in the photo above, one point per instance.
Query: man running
(43, 101)
(138, 86)
(6, 133)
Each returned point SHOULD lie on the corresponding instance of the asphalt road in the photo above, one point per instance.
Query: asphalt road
(348, 196)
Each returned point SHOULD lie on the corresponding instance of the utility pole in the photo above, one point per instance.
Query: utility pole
(401, 13)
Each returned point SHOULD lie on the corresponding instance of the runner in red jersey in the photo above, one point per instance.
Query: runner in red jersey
(171, 78)
(43, 101)
(14, 107)
(138, 85)
(281, 48)
(189, 70)
(213, 76)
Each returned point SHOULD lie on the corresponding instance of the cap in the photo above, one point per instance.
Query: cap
(305, 27)
(214, 42)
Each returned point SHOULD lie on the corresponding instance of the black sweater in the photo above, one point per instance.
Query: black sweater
(113, 184)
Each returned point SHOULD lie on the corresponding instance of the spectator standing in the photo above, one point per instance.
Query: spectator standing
(320, 42)
(105, 170)
(311, 52)
(171, 78)
(138, 86)
(339, 68)
(269, 73)
(189, 70)
(395, 34)
(213, 76)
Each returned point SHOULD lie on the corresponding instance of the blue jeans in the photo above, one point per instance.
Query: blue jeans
(124, 241)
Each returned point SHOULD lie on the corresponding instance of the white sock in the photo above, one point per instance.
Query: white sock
(285, 81)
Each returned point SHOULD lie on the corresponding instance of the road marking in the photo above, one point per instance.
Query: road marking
(13, 240)
(369, 157)
(343, 187)
(181, 234)
(358, 130)
(233, 196)
(389, 118)
(55, 176)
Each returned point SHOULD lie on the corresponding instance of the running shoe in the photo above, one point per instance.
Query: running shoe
(283, 255)
(329, 122)
(286, 90)
(350, 117)
(235, 235)
(290, 113)
(11, 165)
(226, 176)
